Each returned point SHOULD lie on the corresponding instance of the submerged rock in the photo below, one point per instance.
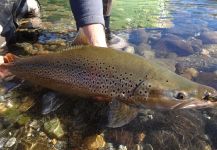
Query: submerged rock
(209, 37)
(10, 142)
(54, 128)
(3, 140)
(211, 49)
(173, 43)
(94, 142)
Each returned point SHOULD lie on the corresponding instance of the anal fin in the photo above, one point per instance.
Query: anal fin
(120, 114)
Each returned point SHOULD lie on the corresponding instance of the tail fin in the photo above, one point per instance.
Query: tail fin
(9, 58)
(4, 67)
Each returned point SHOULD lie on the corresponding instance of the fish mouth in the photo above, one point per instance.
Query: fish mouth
(208, 101)
(188, 105)
(195, 104)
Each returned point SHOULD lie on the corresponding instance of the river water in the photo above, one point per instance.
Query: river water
(179, 34)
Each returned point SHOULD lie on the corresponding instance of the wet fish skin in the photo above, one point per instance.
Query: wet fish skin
(108, 74)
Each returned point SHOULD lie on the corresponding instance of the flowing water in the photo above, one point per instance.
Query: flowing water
(181, 34)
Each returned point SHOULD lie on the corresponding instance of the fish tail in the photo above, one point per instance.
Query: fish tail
(8, 58)
(5, 67)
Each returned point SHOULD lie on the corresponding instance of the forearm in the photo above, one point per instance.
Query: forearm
(87, 12)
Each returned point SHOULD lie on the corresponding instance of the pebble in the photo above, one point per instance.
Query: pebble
(139, 137)
(205, 52)
(122, 147)
(149, 54)
(61, 145)
(10, 142)
(2, 142)
(54, 128)
(138, 147)
(108, 146)
(3, 108)
(94, 142)
(34, 124)
(191, 71)
(209, 37)
(9, 104)
(129, 49)
(148, 147)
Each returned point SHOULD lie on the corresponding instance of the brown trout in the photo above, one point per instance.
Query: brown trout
(129, 82)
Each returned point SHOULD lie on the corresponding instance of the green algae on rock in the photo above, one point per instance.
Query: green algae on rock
(54, 128)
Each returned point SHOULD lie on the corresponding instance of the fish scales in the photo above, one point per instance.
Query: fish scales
(91, 72)
(104, 72)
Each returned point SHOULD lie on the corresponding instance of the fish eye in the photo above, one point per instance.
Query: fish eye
(180, 95)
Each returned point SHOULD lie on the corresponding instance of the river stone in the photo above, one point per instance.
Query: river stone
(122, 147)
(212, 49)
(10, 142)
(94, 142)
(129, 49)
(191, 71)
(209, 37)
(173, 43)
(53, 128)
(2, 142)
(138, 36)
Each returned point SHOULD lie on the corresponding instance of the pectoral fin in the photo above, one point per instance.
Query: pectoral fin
(120, 114)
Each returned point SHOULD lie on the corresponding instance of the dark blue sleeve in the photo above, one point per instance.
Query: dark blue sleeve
(87, 12)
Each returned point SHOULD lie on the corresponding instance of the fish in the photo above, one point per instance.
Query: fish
(128, 82)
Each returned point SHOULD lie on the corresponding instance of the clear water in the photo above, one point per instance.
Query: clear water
(167, 30)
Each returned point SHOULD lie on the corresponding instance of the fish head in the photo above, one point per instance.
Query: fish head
(179, 97)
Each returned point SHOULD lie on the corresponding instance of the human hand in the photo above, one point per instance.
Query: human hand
(3, 71)
(95, 34)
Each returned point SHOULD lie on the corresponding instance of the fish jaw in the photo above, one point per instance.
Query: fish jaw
(195, 104)
(199, 96)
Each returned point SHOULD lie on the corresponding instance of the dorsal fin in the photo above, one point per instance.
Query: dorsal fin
(80, 39)
(10, 58)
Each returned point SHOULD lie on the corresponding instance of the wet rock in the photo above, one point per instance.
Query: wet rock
(108, 146)
(191, 71)
(129, 49)
(138, 147)
(211, 49)
(117, 42)
(196, 44)
(205, 52)
(149, 54)
(54, 128)
(34, 124)
(26, 104)
(138, 36)
(50, 102)
(207, 78)
(209, 37)
(3, 108)
(94, 142)
(141, 48)
(38, 46)
(23, 119)
(10, 142)
(139, 137)
(198, 62)
(2, 142)
(172, 43)
(122, 147)
(61, 145)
